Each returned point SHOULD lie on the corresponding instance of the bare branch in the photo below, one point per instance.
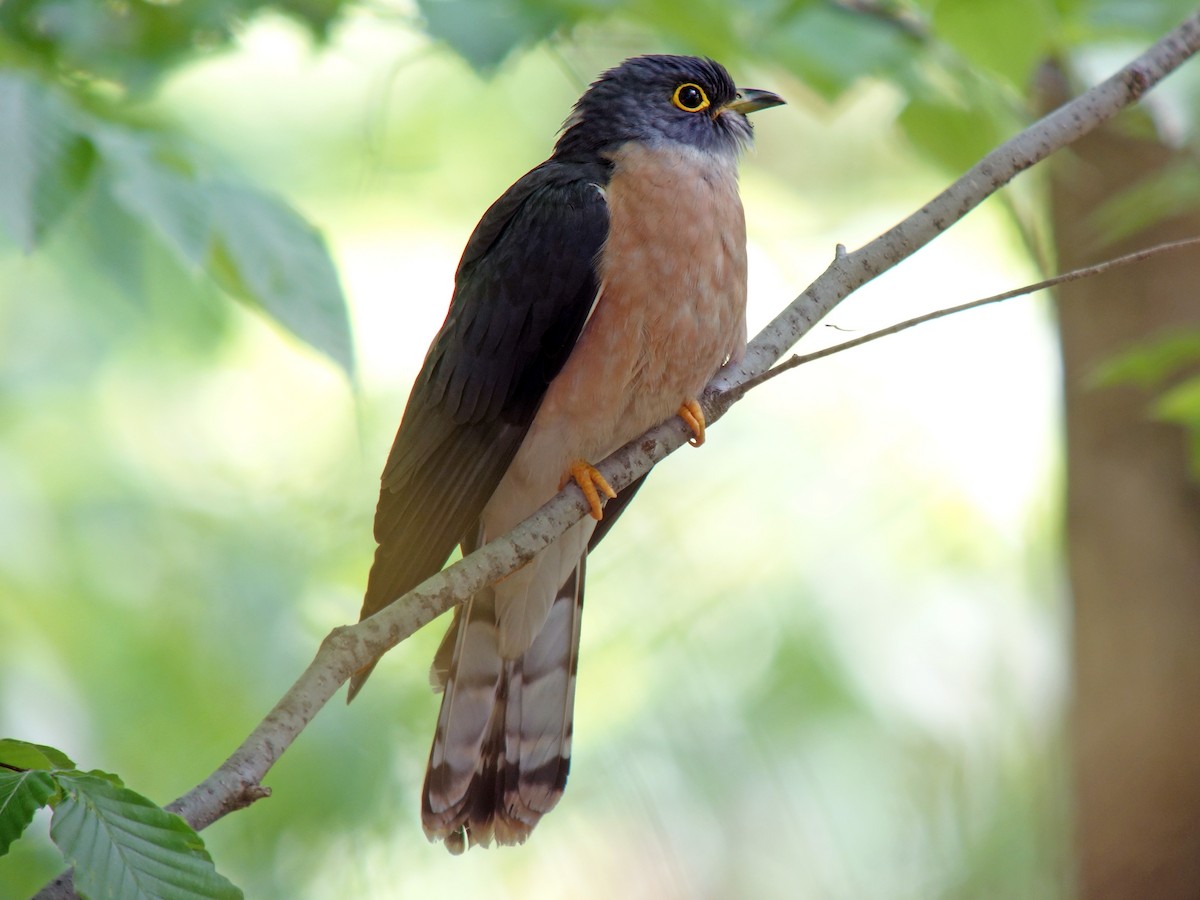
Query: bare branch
(792, 362)
(237, 782)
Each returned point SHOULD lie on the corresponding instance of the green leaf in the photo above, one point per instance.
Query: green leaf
(253, 245)
(1151, 363)
(1007, 37)
(44, 159)
(831, 48)
(21, 795)
(1172, 191)
(122, 845)
(160, 186)
(1181, 404)
(953, 135)
(485, 33)
(24, 755)
(265, 254)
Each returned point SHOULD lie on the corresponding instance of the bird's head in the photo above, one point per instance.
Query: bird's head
(662, 99)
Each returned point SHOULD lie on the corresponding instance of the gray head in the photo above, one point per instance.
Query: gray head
(662, 99)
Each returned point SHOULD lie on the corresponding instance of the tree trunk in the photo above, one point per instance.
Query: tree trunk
(1133, 544)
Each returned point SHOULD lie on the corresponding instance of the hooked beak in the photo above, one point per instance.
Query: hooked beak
(749, 100)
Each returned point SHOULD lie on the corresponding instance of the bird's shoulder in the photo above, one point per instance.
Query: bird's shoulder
(555, 186)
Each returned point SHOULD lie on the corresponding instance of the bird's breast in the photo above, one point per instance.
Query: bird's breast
(670, 311)
(672, 304)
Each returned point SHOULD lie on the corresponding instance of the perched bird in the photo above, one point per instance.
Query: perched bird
(595, 299)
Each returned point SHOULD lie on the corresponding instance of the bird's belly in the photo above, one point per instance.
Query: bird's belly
(671, 311)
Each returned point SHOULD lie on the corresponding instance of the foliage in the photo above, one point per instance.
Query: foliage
(119, 843)
(65, 145)
(134, 44)
(1167, 367)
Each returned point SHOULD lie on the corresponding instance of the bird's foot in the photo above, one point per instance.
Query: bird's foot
(693, 417)
(592, 483)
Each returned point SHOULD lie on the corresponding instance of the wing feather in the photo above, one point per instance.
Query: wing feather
(523, 289)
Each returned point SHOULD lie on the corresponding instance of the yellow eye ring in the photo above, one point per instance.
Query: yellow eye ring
(690, 97)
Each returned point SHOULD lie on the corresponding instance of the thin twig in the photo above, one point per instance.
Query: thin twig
(736, 393)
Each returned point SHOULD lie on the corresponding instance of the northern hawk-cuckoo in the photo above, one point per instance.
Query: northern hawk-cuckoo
(595, 299)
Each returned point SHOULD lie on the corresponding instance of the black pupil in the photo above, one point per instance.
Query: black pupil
(690, 97)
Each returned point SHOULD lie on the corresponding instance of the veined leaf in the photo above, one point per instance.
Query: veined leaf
(21, 795)
(45, 160)
(253, 245)
(122, 845)
(265, 254)
(24, 755)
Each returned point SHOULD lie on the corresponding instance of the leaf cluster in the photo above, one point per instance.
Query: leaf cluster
(134, 43)
(119, 843)
(249, 243)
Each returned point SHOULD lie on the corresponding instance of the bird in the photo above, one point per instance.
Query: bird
(594, 299)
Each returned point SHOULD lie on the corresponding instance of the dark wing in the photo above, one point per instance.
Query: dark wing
(524, 288)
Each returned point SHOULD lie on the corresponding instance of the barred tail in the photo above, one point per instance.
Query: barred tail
(502, 747)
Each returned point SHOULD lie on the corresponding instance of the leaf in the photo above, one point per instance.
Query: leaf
(1007, 37)
(253, 245)
(159, 186)
(485, 33)
(954, 135)
(122, 845)
(1151, 363)
(1181, 404)
(23, 755)
(1171, 191)
(831, 48)
(21, 795)
(44, 159)
(264, 253)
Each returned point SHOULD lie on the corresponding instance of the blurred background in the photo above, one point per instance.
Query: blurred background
(828, 655)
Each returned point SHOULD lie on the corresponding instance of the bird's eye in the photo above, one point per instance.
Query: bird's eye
(690, 97)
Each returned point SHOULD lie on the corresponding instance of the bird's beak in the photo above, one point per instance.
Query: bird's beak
(749, 100)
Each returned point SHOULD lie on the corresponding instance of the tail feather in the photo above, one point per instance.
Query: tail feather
(502, 748)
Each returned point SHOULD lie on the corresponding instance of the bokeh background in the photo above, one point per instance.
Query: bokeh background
(825, 656)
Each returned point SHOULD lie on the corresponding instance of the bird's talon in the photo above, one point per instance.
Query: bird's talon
(693, 417)
(593, 484)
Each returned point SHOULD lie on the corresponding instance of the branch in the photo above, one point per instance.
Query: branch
(735, 393)
(237, 782)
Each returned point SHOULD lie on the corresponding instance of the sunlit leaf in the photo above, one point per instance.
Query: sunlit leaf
(1008, 38)
(122, 845)
(484, 32)
(158, 187)
(1151, 363)
(264, 253)
(24, 755)
(831, 48)
(952, 134)
(44, 160)
(21, 795)
(250, 243)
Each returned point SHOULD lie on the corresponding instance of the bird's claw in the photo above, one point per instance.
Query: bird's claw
(593, 484)
(693, 417)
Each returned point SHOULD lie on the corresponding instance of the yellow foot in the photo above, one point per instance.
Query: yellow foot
(592, 483)
(693, 417)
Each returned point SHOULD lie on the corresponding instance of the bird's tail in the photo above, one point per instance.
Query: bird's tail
(503, 742)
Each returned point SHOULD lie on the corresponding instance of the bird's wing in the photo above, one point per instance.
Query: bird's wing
(524, 288)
